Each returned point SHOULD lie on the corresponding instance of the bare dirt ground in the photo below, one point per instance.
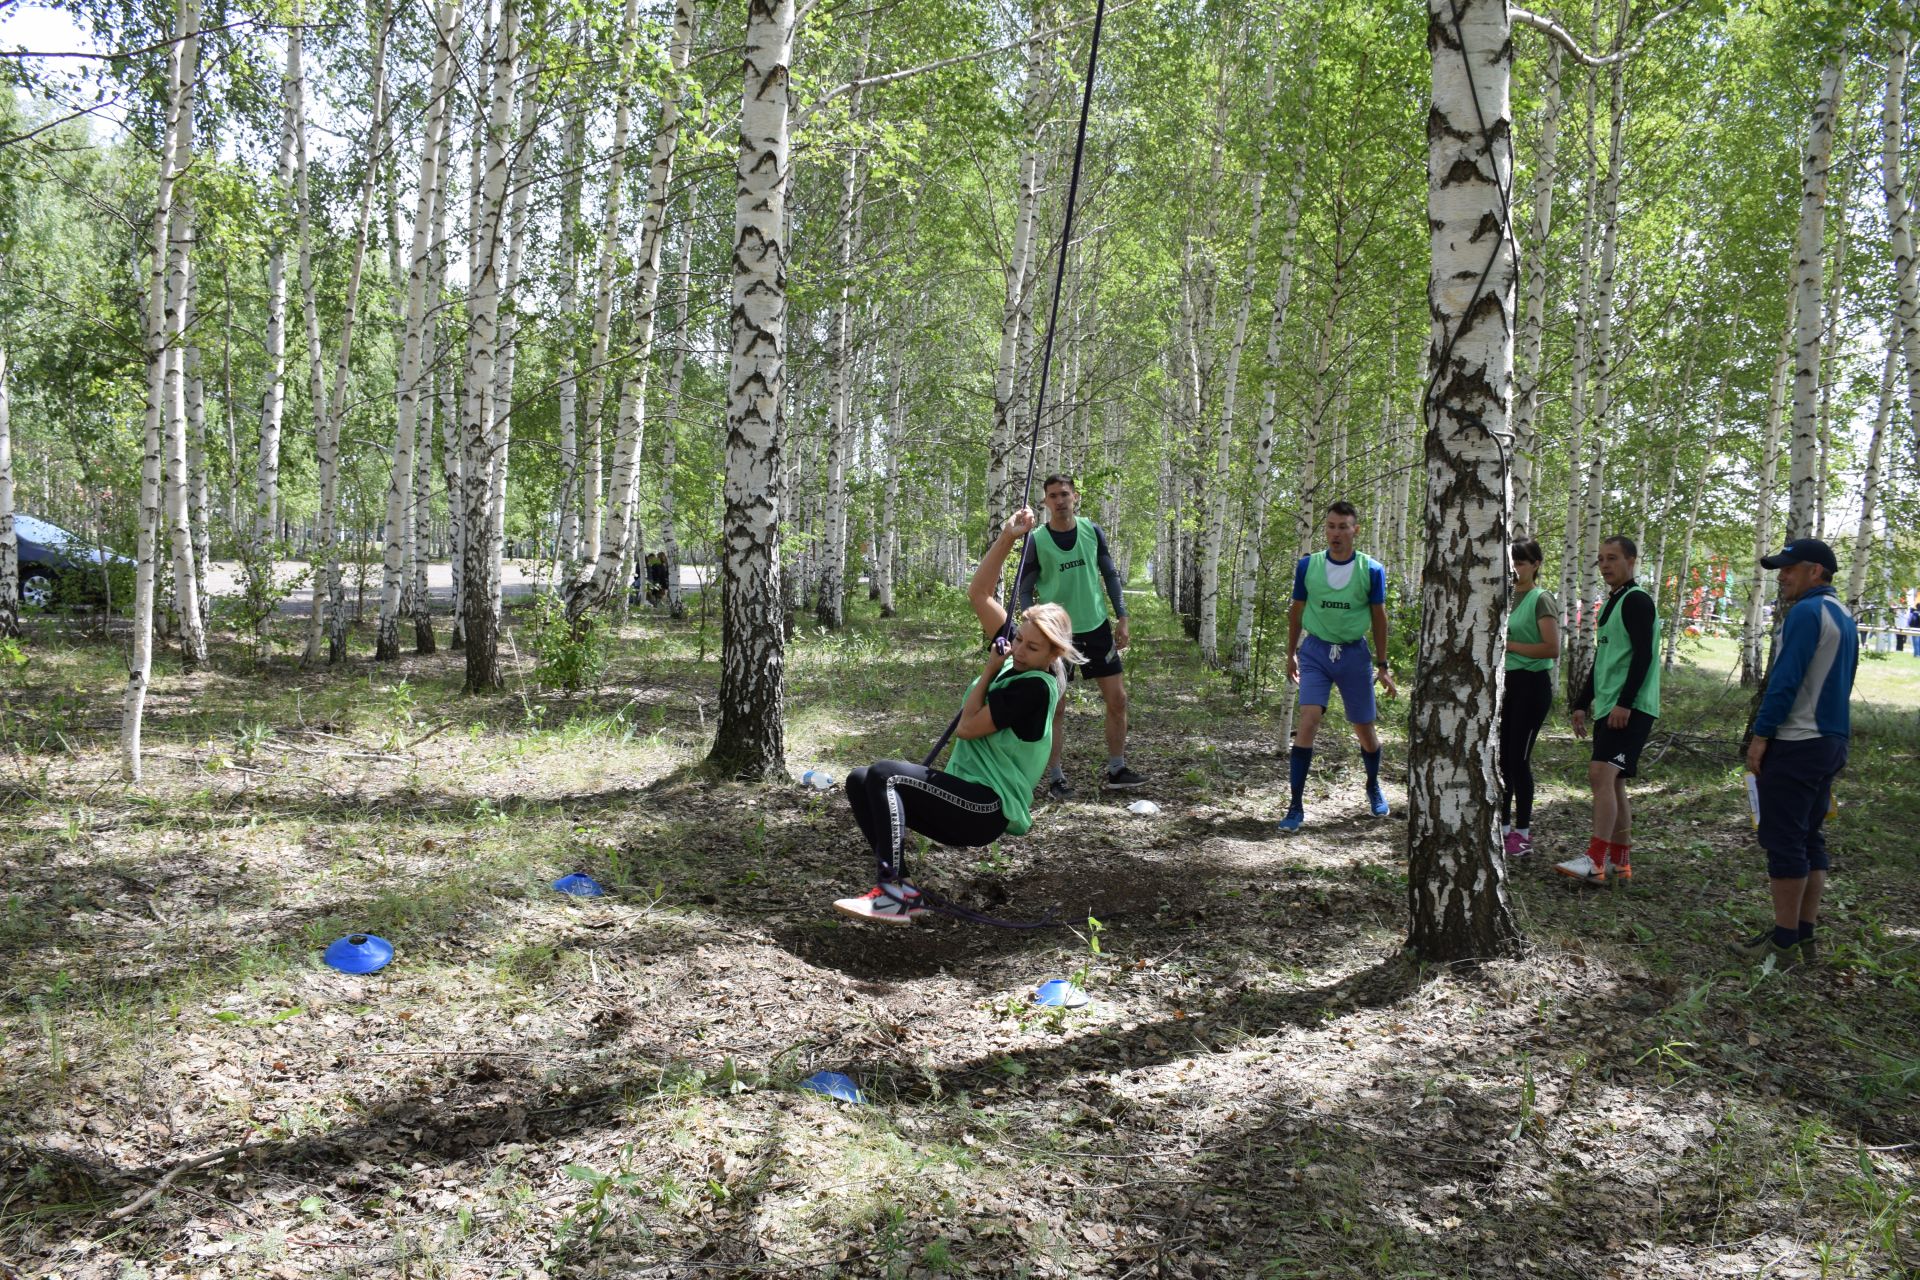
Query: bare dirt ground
(541, 1086)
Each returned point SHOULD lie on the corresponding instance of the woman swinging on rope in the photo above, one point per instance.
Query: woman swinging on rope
(1001, 743)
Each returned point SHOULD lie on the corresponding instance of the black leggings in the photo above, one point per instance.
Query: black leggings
(1529, 695)
(891, 797)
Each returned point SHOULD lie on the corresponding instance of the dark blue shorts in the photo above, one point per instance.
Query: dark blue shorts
(1796, 786)
(1346, 667)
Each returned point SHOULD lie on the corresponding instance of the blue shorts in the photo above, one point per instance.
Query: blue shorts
(1346, 667)
(1795, 785)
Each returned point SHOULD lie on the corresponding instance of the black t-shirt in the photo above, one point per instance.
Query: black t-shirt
(1020, 705)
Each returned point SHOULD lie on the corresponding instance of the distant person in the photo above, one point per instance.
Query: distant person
(1799, 746)
(1533, 642)
(656, 577)
(1622, 695)
(1339, 596)
(1913, 624)
(1072, 567)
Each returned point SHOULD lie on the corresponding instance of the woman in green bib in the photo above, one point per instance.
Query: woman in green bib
(1533, 642)
(1000, 749)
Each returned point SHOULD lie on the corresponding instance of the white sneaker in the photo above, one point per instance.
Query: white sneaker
(884, 904)
(1582, 868)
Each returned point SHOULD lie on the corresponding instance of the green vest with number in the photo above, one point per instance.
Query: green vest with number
(1523, 624)
(1071, 578)
(1613, 652)
(1002, 760)
(1343, 616)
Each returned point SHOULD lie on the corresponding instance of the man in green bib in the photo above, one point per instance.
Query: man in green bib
(1622, 695)
(1339, 598)
(1071, 567)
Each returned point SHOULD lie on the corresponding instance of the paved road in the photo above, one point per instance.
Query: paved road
(225, 578)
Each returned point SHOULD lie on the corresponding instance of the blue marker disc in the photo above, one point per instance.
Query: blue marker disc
(580, 885)
(359, 953)
(834, 1085)
(1059, 993)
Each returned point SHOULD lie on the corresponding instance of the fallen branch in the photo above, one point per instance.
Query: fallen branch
(148, 1196)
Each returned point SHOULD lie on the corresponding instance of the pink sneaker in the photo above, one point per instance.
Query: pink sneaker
(1517, 845)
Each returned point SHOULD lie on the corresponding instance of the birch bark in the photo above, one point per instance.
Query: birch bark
(750, 740)
(266, 483)
(676, 381)
(1900, 220)
(1752, 633)
(1809, 281)
(9, 543)
(477, 431)
(1533, 326)
(401, 484)
(147, 537)
(607, 578)
(1870, 484)
(573, 146)
(1456, 877)
(831, 611)
(500, 405)
(193, 634)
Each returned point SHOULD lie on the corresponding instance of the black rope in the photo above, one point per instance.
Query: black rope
(1033, 453)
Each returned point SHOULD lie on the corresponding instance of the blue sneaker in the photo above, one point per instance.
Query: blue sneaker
(1378, 802)
(1292, 821)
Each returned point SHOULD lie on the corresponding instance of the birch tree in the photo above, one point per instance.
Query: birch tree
(831, 611)
(1906, 314)
(676, 382)
(273, 399)
(1809, 280)
(147, 537)
(1456, 878)
(1533, 326)
(1870, 482)
(477, 428)
(750, 739)
(1752, 633)
(173, 392)
(402, 484)
(607, 579)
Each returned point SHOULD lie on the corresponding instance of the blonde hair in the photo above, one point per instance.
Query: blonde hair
(1057, 627)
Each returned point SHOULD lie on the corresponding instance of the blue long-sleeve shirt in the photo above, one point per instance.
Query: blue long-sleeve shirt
(1812, 676)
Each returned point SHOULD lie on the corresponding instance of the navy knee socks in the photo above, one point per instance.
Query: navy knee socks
(1373, 767)
(1298, 762)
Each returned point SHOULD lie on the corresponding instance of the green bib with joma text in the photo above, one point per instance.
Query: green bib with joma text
(1338, 615)
(1005, 762)
(1071, 578)
(1613, 653)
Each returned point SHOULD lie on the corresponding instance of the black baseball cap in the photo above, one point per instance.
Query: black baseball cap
(1802, 551)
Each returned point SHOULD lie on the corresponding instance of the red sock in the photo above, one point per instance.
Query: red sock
(1597, 849)
(1619, 853)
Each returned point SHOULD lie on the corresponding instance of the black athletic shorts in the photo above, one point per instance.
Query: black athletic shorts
(1103, 657)
(1621, 748)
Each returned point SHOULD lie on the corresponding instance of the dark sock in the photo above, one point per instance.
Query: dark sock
(1785, 937)
(1297, 763)
(1373, 767)
(1806, 931)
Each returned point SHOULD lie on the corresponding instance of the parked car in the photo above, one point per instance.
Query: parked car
(49, 553)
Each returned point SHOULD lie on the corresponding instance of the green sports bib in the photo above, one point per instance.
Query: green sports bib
(1523, 624)
(1071, 578)
(1342, 616)
(1004, 762)
(1613, 653)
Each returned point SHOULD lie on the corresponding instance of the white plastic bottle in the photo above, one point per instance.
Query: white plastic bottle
(817, 780)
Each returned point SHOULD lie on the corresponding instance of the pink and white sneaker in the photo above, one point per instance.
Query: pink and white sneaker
(884, 904)
(1518, 844)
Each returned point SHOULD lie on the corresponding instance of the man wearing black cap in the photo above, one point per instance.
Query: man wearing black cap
(1799, 744)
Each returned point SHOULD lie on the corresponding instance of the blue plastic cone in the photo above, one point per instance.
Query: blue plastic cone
(1059, 993)
(834, 1085)
(580, 885)
(359, 953)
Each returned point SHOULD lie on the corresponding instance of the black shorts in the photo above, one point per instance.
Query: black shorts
(1103, 657)
(1621, 748)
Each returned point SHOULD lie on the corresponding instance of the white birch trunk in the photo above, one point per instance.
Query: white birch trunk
(506, 343)
(193, 635)
(1752, 655)
(199, 509)
(750, 740)
(887, 536)
(573, 146)
(676, 381)
(147, 537)
(9, 543)
(1573, 560)
(1001, 442)
(590, 448)
(831, 611)
(1456, 876)
(607, 579)
(1906, 312)
(266, 481)
(477, 429)
(1214, 532)
(1870, 484)
(402, 480)
(1533, 326)
(1809, 281)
